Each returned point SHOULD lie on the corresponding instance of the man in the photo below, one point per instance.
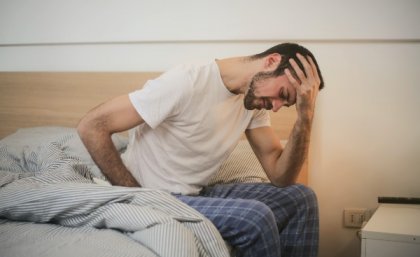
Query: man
(187, 122)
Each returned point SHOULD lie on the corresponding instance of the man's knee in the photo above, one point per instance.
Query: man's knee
(253, 213)
(261, 213)
(256, 223)
(286, 201)
(305, 195)
(249, 216)
(252, 230)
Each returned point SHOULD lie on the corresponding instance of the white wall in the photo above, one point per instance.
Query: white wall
(58, 21)
(366, 138)
(156, 34)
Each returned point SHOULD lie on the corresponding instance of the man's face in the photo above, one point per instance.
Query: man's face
(269, 92)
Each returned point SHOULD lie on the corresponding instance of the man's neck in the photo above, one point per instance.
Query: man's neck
(237, 72)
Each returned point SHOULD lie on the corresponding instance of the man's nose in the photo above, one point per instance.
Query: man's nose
(277, 104)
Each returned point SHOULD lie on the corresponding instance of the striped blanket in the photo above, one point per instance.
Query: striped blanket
(50, 206)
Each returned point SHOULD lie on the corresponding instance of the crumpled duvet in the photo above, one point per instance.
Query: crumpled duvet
(49, 206)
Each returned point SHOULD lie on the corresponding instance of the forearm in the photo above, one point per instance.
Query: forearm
(293, 156)
(106, 156)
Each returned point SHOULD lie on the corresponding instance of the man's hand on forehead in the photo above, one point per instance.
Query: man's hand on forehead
(306, 84)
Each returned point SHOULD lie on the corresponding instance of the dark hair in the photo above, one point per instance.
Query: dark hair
(287, 51)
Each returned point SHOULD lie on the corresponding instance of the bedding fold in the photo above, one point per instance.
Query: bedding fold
(45, 185)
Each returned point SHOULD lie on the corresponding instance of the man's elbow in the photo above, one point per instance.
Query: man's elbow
(284, 180)
(84, 127)
(95, 127)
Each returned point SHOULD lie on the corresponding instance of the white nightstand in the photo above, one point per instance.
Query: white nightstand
(393, 231)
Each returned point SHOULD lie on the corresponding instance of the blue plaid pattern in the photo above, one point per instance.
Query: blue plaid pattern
(259, 219)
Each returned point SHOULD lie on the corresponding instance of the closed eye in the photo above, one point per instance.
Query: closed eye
(284, 96)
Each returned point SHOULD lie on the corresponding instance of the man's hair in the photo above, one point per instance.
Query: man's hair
(287, 51)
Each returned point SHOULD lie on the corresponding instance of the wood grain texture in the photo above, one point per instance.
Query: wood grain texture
(29, 99)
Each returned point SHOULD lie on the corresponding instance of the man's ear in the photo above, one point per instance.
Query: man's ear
(272, 61)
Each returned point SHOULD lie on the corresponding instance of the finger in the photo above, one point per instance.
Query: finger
(291, 78)
(300, 75)
(308, 68)
(314, 70)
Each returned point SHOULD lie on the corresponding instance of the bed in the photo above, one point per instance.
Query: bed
(54, 201)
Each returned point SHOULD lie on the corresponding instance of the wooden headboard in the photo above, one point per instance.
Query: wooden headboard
(30, 99)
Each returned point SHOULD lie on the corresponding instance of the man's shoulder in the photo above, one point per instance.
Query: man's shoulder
(192, 66)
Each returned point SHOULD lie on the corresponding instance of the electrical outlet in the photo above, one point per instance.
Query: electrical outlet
(354, 217)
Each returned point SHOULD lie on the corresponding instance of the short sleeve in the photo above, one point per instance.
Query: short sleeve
(260, 118)
(162, 97)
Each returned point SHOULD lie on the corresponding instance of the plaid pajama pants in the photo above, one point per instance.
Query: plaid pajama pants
(259, 219)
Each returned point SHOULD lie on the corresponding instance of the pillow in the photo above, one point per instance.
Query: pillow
(242, 166)
(30, 141)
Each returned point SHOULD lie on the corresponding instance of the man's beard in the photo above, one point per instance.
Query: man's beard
(250, 97)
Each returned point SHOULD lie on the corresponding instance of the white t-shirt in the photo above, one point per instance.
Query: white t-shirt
(192, 123)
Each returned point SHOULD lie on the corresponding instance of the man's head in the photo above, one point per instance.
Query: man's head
(272, 89)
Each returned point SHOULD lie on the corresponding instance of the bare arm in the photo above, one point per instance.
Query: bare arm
(95, 130)
(283, 165)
